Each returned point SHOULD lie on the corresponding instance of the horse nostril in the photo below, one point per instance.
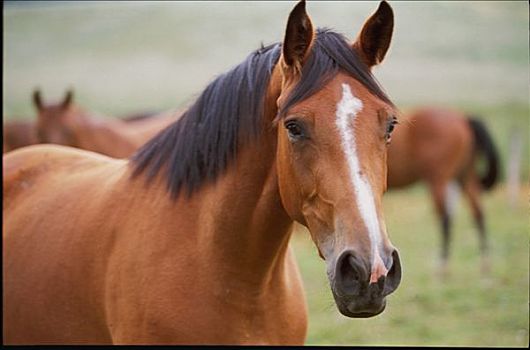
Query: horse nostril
(350, 274)
(393, 278)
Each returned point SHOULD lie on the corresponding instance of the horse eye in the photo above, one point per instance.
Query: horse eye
(390, 127)
(295, 130)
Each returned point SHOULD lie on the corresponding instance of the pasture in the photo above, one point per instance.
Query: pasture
(124, 57)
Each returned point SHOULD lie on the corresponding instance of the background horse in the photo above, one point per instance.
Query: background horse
(20, 133)
(189, 240)
(66, 123)
(441, 147)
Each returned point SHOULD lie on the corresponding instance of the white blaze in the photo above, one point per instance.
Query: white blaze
(347, 110)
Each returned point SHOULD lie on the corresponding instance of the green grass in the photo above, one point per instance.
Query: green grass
(129, 56)
(465, 309)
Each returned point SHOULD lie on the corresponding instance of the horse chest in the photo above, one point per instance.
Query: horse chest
(166, 308)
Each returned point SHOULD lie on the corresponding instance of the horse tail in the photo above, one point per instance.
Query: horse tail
(484, 144)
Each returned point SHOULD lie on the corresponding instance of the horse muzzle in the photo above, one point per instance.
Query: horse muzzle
(354, 289)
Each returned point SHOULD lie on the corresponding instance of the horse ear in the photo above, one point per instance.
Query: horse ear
(37, 100)
(298, 37)
(374, 39)
(68, 99)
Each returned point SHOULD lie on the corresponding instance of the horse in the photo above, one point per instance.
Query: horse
(20, 133)
(66, 123)
(188, 240)
(441, 147)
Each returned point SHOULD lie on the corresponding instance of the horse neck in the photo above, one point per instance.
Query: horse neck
(105, 136)
(250, 230)
(143, 130)
(240, 221)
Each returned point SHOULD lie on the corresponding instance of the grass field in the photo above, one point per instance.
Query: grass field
(122, 57)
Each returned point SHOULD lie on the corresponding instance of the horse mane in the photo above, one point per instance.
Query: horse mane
(199, 146)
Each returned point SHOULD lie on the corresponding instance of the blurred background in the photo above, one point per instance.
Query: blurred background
(122, 57)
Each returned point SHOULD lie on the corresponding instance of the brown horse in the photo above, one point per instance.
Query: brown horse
(68, 124)
(188, 241)
(441, 147)
(20, 133)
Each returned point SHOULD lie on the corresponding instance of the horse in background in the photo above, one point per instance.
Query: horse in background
(441, 147)
(188, 241)
(66, 123)
(21, 133)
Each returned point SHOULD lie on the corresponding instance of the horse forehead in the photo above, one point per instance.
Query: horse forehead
(50, 111)
(56, 113)
(327, 102)
(357, 90)
(333, 93)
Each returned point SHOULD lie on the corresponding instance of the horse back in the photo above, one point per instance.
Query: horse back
(442, 140)
(25, 167)
(435, 144)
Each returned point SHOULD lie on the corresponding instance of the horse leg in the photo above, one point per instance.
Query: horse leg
(439, 193)
(472, 190)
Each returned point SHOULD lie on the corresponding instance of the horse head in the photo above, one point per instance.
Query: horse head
(56, 122)
(334, 126)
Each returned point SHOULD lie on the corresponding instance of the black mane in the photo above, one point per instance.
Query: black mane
(201, 144)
